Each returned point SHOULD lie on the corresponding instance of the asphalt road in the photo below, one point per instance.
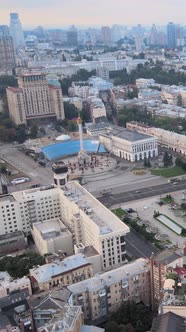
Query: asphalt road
(112, 199)
(137, 247)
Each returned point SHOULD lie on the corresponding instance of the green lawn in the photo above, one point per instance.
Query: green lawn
(120, 213)
(168, 172)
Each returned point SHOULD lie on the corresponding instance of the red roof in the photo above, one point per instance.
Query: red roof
(14, 89)
(180, 270)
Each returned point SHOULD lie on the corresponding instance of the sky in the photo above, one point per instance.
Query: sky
(57, 13)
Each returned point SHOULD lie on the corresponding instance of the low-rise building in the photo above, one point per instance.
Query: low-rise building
(103, 294)
(97, 108)
(52, 236)
(8, 284)
(128, 144)
(65, 272)
(11, 242)
(168, 322)
(169, 139)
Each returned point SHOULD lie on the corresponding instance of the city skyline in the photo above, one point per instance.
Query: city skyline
(93, 12)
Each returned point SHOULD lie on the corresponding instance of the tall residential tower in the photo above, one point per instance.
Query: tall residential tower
(7, 54)
(16, 30)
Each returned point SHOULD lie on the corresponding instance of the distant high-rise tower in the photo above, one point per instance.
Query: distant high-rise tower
(153, 36)
(7, 54)
(16, 30)
(72, 36)
(106, 35)
(171, 35)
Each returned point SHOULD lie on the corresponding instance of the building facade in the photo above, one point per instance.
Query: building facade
(160, 265)
(128, 144)
(104, 294)
(34, 98)
(66, 272)
(16, 30)
(7, 52)
(171, 140)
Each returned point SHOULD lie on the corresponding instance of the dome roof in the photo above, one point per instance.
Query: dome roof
(63, 138)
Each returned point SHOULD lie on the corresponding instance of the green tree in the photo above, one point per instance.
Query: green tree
(167, 159)
(72, 126)
(21, 134)
(33, 131)
(70, 111)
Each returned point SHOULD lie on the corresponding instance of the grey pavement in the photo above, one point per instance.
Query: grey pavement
(28, 166)
(138, 247)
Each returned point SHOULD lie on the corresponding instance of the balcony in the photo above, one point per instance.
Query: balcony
(102, 293)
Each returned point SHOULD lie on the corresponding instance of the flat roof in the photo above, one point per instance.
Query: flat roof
(99, 214)
(127, 134)
(11, 235)
(52, 228)
(7, 198)
(166, 256)
(46, 272)
(108, 278)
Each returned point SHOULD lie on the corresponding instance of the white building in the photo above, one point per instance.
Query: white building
(128, 144)
(52, 236)
(8, 284)
(90, 222)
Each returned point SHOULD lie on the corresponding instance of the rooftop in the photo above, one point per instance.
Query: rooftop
(99, 214)
(11, 235)
(52, 228)
(108, 278)
(8, 198)
(168, 322)
(124, 133)
(46, 272)
(166, 256)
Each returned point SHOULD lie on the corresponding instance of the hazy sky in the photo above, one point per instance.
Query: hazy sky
(93, 12)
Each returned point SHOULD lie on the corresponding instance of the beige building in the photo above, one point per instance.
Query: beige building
(104, 293)
(8, 284)
(128, 144)
(34, 98)
(52, 236)
(66, 272)
(169, 139)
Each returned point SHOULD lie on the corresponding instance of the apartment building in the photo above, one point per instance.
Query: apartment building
(8, 284)
(128, 144)
(66, 272)
(160, 265)
(34, 98)
(169, 139)
(104, 293)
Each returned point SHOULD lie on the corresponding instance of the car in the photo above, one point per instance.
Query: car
(138, 191)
